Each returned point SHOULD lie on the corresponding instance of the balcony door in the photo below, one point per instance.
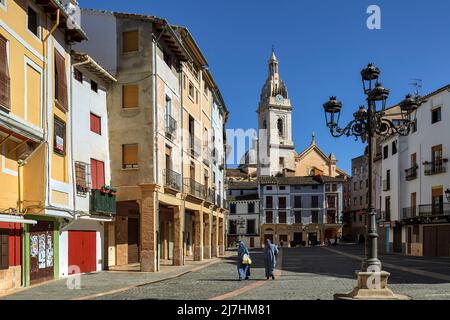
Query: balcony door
(436, 158)
(97, 174)
(437, 200)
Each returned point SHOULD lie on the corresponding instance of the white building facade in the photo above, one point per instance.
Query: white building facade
(415, 212)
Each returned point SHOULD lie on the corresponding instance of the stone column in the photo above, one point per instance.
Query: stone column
(221, 237)
(207, 244)
(178, 228)
(198, 249)
(148, 223)
(216, 237)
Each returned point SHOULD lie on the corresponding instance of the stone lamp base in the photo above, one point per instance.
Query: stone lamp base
(375, 292)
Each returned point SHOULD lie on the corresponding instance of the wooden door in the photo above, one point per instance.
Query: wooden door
(398, 239)
(133, 240)
(41, 252)
(430, 241)
(83, 251)
(443, 241)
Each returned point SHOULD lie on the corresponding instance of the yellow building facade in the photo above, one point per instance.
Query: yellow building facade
(35, 184)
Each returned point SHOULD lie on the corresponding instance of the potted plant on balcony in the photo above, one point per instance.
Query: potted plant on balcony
(104, 189)
(112, 191)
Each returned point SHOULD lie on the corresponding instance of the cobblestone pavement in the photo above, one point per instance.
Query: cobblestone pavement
(306, 273)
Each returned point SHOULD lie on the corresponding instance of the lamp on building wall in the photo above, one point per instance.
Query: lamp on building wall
(447, 194)
(367, 124)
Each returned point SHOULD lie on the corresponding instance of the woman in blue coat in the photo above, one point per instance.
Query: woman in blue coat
(270, 259)
(243, 269)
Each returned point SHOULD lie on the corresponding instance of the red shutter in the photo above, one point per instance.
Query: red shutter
(98, 174)
(96, 125)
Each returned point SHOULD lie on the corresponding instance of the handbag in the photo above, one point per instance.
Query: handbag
(246, 259)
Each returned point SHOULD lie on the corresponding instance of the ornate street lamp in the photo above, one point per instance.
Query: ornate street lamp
(368, 123)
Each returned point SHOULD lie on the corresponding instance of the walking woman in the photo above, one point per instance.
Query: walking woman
(244, 262)
(270, 259)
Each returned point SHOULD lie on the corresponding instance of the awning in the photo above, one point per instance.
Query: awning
(15, 219)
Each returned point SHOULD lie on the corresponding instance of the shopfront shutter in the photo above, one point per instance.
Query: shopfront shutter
(4, 75)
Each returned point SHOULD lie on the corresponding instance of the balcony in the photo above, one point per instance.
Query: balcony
(386, 185)
(172, 179)
(435, 167)
(194, 146)
(383, 215)
(210, 195)
(103, 203)
(207, 154)
(194, 188)
(428, 210)
(411, 173)
(219, 201)
(410, 212)
(170, 126)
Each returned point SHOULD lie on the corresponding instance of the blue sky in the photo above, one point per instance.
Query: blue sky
(321, 46)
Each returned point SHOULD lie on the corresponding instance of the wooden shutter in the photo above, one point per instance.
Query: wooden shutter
(4, 75)
(60, 81)
(130, 96)
(130, 155)
(98, 174)
(4, 249)
(96, 124)
(437, 191)
(130, 41)
(80, 175)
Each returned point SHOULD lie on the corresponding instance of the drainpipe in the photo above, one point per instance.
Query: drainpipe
(44, 111)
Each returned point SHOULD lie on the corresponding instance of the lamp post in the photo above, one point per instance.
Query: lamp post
(447, 194)
(369, 122)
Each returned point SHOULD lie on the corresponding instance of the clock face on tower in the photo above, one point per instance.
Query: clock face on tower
(279, 99)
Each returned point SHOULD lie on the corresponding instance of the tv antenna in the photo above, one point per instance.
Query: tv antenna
(417, 84)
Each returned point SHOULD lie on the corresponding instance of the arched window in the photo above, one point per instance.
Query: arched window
(280, 126)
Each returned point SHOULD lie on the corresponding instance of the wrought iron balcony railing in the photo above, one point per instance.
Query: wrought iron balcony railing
(435, 167)
(172, 179)
(207, 154)
(194, 146)
(171, 125)
(194, 188)
(441, 209)
(411, 173)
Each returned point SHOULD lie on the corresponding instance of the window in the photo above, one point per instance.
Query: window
(315, 216)
(33, 21)
(94, 86)
(97, 174)
(251, 207)
(251, 227)
(388, 180)
(354, 201)
(334, 187)
(60, 82)
(4, 249)
(130, 41)
(298, 217)
(355, 186)
(130, 96)
(269, 202)
(96, 124)
(281, 162)
(327, 188)
(394, 147)
(297, 201)
(315, 187)
(387, 208)
(233, 228)
(414, 126)
(314, 202)
(191, 90)
(269, 188)
(269, 217)
(436, 115)
(282, 202)
(385, 152)
(78, 75)
(360, 184)
(242, 192)
(81, 177)
(130, 156)
(4, 75)
(367, 183)
(282, 217)
(360, 200)
(232, 207)
(437, 200)
(280, 127)
(282, 187)
(59, 136)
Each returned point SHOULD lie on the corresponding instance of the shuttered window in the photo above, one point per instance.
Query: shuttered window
(59, 141)
(98, 174)
(129, 156)
(60, 82)
(4, 248)
(130, 41)
(4, 75)
(96, 124)
(130, 96)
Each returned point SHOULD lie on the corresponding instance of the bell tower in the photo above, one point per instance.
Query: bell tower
(276, 151)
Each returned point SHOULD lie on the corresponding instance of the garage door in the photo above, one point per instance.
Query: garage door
(82, 251)
(436, 241)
